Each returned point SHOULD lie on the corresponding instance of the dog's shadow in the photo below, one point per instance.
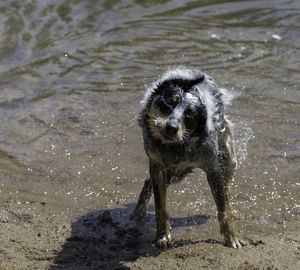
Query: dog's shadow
(108, 239)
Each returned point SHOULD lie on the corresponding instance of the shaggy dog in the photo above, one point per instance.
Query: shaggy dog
(184, 127)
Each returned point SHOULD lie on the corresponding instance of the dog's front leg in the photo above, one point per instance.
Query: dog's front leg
(141, 207)
(215, 180)
(158, 176)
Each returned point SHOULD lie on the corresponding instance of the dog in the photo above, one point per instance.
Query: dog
(184, 127)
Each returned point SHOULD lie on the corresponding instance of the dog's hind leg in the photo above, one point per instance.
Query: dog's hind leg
(215, 180)
(145, 195)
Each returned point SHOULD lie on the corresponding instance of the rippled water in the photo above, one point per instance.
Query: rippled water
(72, 74)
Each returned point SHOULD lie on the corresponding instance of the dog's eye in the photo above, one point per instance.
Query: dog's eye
(190, 112)
(167, 104)
(174, 99)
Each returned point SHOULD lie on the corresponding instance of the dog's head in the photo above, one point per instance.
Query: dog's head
(175, 109)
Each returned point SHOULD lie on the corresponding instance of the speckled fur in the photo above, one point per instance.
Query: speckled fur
(184, 127)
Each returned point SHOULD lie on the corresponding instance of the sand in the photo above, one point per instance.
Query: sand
(36, 235)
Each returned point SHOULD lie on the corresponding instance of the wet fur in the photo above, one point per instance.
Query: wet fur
(184, 127)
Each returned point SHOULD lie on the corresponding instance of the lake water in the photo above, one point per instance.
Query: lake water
(72, 74)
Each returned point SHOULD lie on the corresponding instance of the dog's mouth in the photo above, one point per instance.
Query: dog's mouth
(169, 137)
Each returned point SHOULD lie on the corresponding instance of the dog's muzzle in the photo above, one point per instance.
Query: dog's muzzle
(171, 129)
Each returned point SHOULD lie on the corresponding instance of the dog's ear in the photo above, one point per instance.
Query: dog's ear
(185, 84)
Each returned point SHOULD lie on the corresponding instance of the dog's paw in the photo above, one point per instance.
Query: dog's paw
(164, 242)
(233, 241)
(228, 231)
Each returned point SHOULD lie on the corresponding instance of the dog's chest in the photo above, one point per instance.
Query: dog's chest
(182, 159)
(178, 158)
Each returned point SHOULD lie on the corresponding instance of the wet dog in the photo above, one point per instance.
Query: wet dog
(184, 127)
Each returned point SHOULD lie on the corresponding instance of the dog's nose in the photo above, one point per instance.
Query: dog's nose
(171, 128)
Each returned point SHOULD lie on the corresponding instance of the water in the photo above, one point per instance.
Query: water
(72, 74)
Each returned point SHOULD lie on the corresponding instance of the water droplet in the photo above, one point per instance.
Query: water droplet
(274, 36)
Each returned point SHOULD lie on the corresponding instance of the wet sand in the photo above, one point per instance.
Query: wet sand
(44, 238)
